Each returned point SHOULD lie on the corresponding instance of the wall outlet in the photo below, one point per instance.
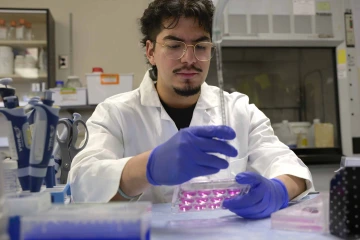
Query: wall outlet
(63, 61)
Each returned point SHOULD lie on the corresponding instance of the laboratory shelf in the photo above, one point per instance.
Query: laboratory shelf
(17, 78)
(23, 43)
(72, 109)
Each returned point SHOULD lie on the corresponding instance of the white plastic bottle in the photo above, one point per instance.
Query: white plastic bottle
(286, 135)
(311, 134)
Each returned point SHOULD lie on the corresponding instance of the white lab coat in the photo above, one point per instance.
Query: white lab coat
(131, 123)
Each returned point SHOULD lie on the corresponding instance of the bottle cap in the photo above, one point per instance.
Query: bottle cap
(97, 69)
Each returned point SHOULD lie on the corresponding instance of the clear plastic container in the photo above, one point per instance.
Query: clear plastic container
(90, 221)
(205, 195)
(73, 82)
(308, 216)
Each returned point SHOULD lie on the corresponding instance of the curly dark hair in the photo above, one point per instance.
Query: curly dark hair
(159, 10)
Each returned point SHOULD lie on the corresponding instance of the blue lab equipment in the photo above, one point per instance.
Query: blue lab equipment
(265, 196)
(185, 155)
(8, 92)
(67, 144)
(19, 139)
(46, 119)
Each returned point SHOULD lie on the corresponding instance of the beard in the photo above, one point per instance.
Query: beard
(187, 91)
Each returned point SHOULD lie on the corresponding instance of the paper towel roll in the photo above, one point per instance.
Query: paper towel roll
(6, 61)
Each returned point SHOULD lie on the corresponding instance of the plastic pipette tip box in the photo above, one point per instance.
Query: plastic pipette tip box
(205, 195)
(60, 194)
(120, 221)
(308, 216)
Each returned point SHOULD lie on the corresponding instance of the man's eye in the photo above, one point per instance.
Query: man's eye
(174, 46)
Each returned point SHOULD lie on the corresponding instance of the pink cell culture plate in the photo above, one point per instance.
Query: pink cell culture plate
(205, 195)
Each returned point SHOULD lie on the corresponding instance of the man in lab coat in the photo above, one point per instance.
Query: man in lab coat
(144, 142)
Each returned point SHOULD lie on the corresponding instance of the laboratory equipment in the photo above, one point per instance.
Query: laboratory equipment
(344, 200)
(73, 82)
(201, 195)
(91, 221)
(6, 61)
(19, 138)
(3, 209)
(285, 133)
(10, 173)
(3, 29)
(269, 57)
(46, 119)
(59, 84)
(25, 204)
(102, 85)
(29, 32)
(5, 89)
(311, 133)
(20, 30)
(60, 194)
(67, 142)
(12, 31)
(307, 216)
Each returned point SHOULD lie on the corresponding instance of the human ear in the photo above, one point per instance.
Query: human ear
(150, 52)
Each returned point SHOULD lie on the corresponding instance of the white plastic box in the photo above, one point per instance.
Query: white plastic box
(69, 96)
(101, 86)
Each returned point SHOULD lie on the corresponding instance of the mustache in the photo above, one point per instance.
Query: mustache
(187, 68)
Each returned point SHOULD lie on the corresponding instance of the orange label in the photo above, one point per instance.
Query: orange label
(110, 79)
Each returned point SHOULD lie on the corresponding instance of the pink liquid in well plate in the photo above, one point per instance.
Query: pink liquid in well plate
(201, 200)
(204, 193)
(233, 192)
(216, 199)
(199, 207)
(186, 201)
(214, 205)
(184, 208)
(188, 194)
(219, 192)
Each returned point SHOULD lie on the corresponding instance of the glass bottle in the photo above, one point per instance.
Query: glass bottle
(20, 30)
(28, 31)
(3, 29)
(12, 31)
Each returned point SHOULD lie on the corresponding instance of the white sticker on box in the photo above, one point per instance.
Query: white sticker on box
(304, 7)
(68, 94)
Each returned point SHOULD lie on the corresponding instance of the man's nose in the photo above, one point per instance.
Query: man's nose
(189, 56)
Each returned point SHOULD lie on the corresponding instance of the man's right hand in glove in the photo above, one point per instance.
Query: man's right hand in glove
(186, 155)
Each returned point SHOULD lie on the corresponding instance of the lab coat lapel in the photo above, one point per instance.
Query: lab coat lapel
(150, 98)
(204, 113)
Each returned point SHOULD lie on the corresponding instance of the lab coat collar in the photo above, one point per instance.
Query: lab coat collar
(209, 97)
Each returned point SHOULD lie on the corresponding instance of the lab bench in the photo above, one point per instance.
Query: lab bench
(219, 224)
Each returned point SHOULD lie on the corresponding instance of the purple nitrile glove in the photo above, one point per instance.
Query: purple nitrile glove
(186, 155)
(265, 196)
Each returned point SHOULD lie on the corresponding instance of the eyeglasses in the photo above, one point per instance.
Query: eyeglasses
(175, 50)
